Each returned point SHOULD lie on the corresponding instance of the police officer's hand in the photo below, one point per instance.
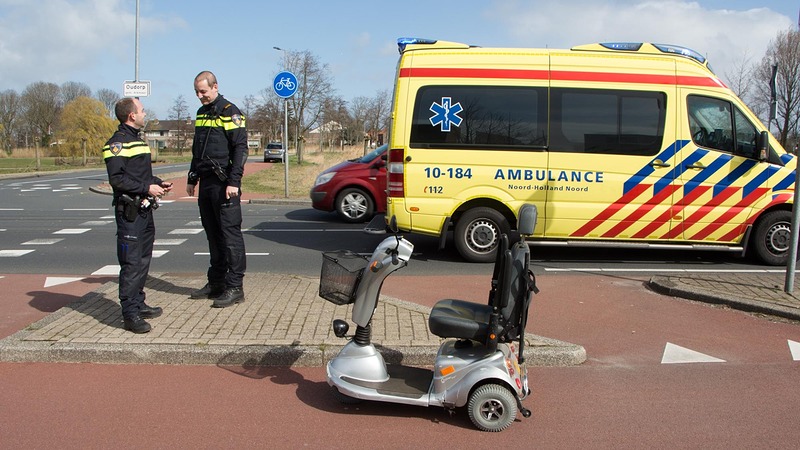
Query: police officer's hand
(156, 190)
(231, 191)
(190, 190)
(167, 186)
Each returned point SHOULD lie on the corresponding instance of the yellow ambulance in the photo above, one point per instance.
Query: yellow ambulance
(620, 144)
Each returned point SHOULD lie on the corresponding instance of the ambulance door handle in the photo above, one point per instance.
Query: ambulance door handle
(696, 166)
(659, 163)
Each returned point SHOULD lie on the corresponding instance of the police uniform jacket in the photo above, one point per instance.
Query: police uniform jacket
(128, 163)
(220, 135)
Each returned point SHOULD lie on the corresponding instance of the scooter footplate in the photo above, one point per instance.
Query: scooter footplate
(404, 381)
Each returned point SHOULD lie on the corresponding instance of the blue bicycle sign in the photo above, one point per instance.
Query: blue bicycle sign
(285, 84)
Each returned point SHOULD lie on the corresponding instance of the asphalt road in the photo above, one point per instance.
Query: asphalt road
(54, 224)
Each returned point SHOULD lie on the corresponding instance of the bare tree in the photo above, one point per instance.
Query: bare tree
(783, 51)
(180, 112)
(71, 90)
(40, 101)
(314, 87)
(9, 117)
(359, 112)
(109, 98)
(740, 77)
(268, 116)
(379, 112)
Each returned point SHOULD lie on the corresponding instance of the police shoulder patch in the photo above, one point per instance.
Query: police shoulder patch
(115, 147)
(237, 119)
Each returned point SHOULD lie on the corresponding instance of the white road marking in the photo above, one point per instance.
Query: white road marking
(11, 209)
(55, 281)
(112, 269)
(186, 231)
(159, 253)
(85, 209)
(169, 241)
(72, 231)
(93, 223)
(246, 254)
(43, 241)
(794, 347)
(675, 354)
(13, 253)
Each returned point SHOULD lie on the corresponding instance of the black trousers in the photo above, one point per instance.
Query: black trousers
(134, 252)
(222, 222)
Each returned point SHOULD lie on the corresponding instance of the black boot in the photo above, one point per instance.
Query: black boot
(136, 324)
(231, 296)
(208, 291)
(150, 312)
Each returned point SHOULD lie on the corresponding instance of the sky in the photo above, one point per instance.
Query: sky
(93, 41)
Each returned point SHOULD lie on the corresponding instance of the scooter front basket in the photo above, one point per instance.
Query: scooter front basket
(340, 275)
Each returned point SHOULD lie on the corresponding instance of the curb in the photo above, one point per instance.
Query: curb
(665, 285)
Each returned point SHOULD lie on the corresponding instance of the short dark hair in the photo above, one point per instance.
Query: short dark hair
(124, 108)
(207, 75)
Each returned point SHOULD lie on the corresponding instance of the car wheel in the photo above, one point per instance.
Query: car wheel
(354, 205)
(492, 408)
(478, 232)
(772, 238)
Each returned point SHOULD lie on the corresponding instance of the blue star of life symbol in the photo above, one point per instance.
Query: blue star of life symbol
(446, 114)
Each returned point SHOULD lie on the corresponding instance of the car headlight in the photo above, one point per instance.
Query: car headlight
(324, 178)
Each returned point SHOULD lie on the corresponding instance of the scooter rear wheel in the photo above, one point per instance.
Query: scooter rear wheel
(492, 408)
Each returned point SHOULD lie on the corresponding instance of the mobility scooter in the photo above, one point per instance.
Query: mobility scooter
(480, 363)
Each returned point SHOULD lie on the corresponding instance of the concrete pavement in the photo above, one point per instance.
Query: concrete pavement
(283, 322)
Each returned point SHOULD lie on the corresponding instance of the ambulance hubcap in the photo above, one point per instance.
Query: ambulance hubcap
(482, 235)
(779, 238)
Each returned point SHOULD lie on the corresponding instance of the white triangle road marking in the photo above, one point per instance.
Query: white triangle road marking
(794, 347)
(55, 281)
(675, 354)
(112, 269)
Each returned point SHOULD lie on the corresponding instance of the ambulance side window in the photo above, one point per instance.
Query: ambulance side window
(711, 122)
(746, 136)
(480, 117)
(607, 121)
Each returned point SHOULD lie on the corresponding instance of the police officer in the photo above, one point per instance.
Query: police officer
(219, 152)
(130, 174)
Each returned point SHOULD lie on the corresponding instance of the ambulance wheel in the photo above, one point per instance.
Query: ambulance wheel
(477, 233)
(772, 238)
(492, 408)
(354, 205)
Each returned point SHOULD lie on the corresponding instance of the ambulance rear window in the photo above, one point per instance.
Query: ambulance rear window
(480, 117)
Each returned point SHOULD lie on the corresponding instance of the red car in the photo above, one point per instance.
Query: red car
(355, 189)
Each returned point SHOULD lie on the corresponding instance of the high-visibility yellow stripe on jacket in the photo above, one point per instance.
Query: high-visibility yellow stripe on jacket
(227, 123)
(126, 150)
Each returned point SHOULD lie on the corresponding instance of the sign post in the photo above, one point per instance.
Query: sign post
(285, 85)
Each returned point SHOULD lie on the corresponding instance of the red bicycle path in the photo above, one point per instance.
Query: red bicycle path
(622, 397)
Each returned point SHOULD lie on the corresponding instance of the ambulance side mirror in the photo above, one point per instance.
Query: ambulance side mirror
(763, 146)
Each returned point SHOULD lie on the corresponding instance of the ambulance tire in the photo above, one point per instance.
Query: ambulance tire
(772, 238)
(477, 233)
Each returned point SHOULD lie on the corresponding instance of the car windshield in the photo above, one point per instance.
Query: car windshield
(373, 154)
(274, 146)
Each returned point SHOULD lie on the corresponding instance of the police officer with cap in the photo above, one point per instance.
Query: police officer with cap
(219, 152)
(136, 191)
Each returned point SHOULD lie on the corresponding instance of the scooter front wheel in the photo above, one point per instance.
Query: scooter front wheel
(344, 399)
(492, 407)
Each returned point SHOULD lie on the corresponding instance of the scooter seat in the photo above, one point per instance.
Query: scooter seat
(460, 319)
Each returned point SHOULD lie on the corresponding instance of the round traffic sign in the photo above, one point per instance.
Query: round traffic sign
(285, 84)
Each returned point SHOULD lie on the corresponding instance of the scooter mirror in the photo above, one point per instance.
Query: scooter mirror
(340, 327)
(393, 224)
(527, 219)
